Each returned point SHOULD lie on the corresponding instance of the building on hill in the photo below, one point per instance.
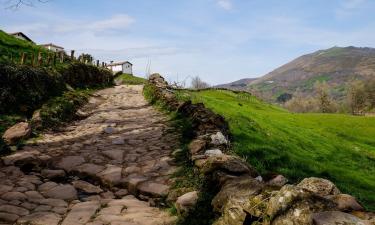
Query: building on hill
(21, 36)
(124, 67)
(53, 47)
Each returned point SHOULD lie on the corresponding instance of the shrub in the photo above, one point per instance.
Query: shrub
(80, 75)
(24, 88)
(63, 108)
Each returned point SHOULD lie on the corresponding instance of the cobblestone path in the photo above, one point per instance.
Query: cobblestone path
(111, 168)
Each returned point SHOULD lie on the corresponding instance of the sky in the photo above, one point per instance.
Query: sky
(218, 40)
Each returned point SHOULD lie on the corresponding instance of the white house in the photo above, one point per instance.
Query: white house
(53, 47)
(21, 36)
(124, 67)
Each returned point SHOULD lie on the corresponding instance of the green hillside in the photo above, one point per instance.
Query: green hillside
(13, 47)
(333, 146)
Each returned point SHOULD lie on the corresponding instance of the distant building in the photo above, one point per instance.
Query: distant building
(21, 36)
(53, 47)
(124, 67)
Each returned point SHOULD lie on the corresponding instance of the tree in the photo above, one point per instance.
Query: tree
(284, 97)
(356, 97)
(301, 104)
(323, 98)
(15, 4)
(197, 83)
(370, 91)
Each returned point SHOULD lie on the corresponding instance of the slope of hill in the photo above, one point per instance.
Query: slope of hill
(239, 85)
(337, 66)
(338, 147)
(11, 47)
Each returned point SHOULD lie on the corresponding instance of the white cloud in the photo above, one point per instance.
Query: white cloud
(225, 4)
(348, 8)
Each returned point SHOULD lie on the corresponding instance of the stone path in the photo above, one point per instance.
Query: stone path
(112, 167)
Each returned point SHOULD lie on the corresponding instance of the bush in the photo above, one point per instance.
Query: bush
(24, 88)
(80, 75)
(62, 109)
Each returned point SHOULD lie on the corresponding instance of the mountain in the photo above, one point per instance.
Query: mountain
(336, 66)
(239, 85)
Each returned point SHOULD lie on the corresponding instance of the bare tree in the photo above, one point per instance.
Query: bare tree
(323, 97)
(357, 97)
(15, 4)
(197, 83)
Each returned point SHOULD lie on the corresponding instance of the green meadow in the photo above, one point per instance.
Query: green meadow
(338, 147)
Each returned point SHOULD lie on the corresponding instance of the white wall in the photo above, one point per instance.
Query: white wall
(54, 49)
(127, 68)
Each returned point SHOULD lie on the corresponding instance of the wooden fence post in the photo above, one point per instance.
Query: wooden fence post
(62, 57)
(97, 63)
(102, 64)
(23, 57)
(40, 59)
(72, 54)
(54, 58)
(32, 59)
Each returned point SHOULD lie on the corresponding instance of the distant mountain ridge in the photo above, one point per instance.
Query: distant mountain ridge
(337, 66)
(238, 85)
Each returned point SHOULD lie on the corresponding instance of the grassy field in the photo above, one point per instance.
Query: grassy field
(11, 47)
(333, 146)
(129, 79)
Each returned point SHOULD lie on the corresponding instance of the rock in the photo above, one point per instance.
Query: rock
(218, 139)
(64, 192)
(28, 205)
(186, 202)
(111, 175)
(196, 146)
(86, 187)
(118, 141)
(121, 193)
(54, 202)
(9, 196)
(68, 163)
(133, 182)
(109, 130)
(33, 195)
(89, 169)
(21, 156)
(228, 163)
(319, 186)
(59, 210)
(114, 154)
(213, 152)
(51, 174)
(132, 170)
(17, 132)
(107, 195)
(346, 203)
(5, 188)
(335, 217)
(46, 186)
(81, 213)
(8, 217)
(14, 210)
(40, 218)
(278, 181)
(36, 120)
(153, 189)
(42, 208)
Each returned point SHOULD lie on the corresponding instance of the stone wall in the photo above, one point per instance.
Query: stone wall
(245, 197)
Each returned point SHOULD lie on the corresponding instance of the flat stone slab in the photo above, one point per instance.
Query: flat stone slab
(69, 162)
(64, 192)
(153, 189)
(111, 175)
(87, 187)
(81, 213)
(40, 218)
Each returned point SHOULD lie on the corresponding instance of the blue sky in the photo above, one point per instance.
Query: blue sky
(218, 40)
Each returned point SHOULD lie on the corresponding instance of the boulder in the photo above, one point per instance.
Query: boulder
(186, 202)
(346, 203)
(213, 152)
(36, 120)
(336, 217)
(278, 181)
(17, 132)
(218, 139)
(196, 146)
(153, 189)
(319, 186)
(69, 163)
(22, 157)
